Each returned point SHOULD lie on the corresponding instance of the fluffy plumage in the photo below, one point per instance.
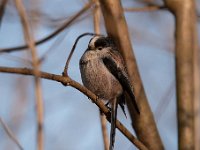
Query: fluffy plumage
(103, 72)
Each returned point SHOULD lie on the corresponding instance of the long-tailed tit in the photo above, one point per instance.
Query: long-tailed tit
(103, 72)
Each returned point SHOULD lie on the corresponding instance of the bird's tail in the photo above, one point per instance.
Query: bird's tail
(135, 103)
(114, 105)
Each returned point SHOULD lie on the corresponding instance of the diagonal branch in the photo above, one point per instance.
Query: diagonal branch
(64, 26)
(187, 72)
(10, 134)
(116, 26)
(69, 82)
(144, 9)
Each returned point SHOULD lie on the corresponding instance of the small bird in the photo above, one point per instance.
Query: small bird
(103, 72)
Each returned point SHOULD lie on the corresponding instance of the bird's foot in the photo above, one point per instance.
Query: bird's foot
(108, 106)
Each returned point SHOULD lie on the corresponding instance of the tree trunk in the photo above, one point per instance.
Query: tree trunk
(116, 27)
(187, 70)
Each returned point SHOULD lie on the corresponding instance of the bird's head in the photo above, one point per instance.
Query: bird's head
(98, 43)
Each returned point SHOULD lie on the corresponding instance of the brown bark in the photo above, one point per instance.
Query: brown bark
(144, 123)
(197, 99)
(187, 71)
(28, 37)
(144, 9)
(65, 80)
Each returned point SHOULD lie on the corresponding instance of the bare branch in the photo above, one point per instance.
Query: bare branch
(53, 47)
(187, 72)
(10, 134)
(69, 82)
(104, 131)
(143, 9)
(38, 92)
(144, 124)
(96, 16)
(64, 26)
(164, 102)
(16, 59)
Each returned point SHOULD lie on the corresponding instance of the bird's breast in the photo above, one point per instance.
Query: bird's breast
(97, 78)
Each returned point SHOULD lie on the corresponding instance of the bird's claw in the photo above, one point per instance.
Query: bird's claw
(108, 106)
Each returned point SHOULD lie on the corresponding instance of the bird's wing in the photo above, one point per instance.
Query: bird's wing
(115, 64)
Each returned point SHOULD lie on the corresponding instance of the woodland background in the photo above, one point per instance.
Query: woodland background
(71, 121)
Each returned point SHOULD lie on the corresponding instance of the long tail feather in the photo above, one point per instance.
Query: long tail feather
(121, 101)
(114, 105)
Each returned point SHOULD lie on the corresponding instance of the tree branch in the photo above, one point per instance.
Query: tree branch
(38, 91)
(10, 134)
(65, 25)
(187, 72)
(69, 82)
(144, 124)
(144, 9)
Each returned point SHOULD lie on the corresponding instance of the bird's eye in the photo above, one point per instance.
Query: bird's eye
(99, 48)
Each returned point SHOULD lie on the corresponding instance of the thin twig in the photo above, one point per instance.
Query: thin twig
(68, 81)
(38, 92)
(10, 134)
(65, 72)
(52, 47)
(104, 131)
(64, 26)
(16, 59)
(144, 9)
(164, 102)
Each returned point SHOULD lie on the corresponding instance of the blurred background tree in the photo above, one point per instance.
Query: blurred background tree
(162, 39)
